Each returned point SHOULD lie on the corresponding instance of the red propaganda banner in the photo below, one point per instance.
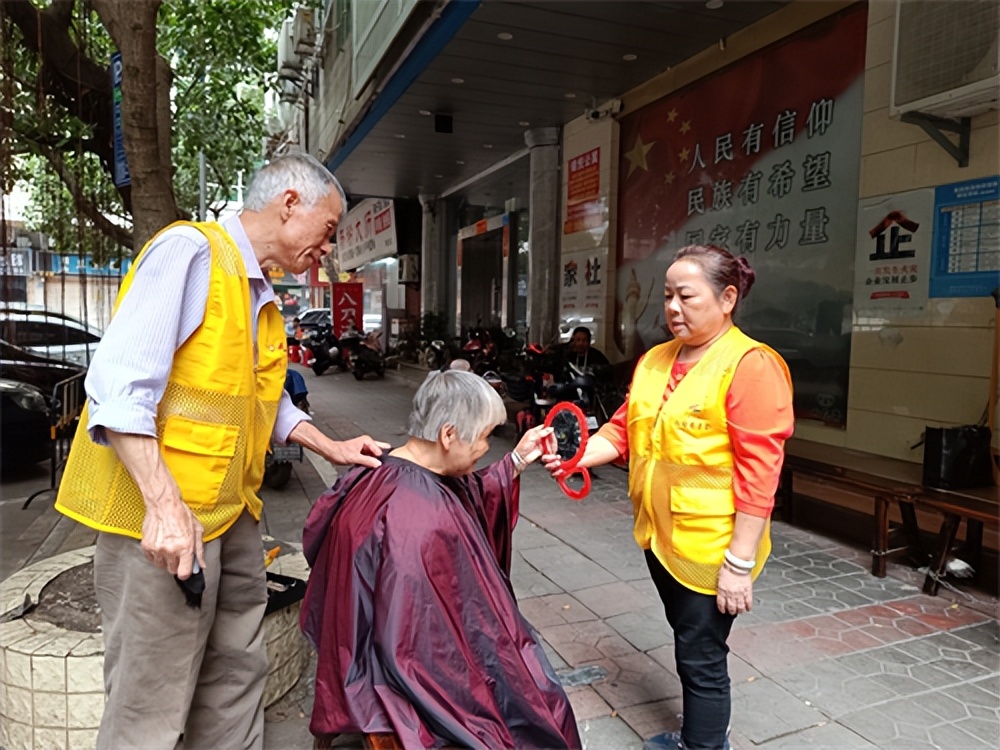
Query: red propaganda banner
(347, 299)
(761, 158)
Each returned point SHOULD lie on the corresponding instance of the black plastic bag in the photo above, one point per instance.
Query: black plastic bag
(957, 458)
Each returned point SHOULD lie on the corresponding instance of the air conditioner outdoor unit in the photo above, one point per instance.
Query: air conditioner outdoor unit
(945, 57)
(289, 63)
(304, 31)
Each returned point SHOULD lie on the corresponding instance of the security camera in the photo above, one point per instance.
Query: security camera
(593, 115)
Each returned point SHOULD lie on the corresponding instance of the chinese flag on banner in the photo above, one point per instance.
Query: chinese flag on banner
(719, 128)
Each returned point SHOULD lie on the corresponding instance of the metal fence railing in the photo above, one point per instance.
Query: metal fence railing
(68, 397)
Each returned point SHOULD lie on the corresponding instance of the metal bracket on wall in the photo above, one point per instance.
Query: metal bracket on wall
(934, 125)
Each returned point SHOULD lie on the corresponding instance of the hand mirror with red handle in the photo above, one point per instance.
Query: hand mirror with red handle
(569, 425)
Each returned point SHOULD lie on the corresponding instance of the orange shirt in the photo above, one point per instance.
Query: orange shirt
(759, 413)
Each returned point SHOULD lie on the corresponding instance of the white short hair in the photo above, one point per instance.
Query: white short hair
(297, 171)
(461, 399)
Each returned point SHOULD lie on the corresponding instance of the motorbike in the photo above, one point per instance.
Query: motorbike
(437, 354)
(546, 380)
(368, 357)
(480, 350)
(323, 350)
(278, 462)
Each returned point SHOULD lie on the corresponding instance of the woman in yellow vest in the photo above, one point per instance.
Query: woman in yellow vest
(703, 430)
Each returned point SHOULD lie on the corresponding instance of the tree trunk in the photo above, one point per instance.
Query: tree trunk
(146, 114)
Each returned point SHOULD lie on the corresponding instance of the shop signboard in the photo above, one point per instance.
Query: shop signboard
(761, 158)
(367, 233)
(14, 262)
(76, 265)
(584, 209)
(347, 306)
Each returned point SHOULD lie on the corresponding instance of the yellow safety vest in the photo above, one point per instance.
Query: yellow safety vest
(681, 460)
(214, 421)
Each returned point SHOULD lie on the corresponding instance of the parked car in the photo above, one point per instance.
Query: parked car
(49, 333)
(24, 425)
(34, 369)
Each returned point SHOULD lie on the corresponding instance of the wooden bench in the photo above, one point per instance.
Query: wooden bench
(887, 481)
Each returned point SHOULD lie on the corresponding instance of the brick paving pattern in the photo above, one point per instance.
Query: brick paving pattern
(830, 657)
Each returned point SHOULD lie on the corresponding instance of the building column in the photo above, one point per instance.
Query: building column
(543, 234)
(433, 273)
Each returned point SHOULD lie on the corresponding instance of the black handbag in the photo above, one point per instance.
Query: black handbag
(957, 458)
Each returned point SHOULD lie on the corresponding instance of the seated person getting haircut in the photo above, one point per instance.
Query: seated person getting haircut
(409, 603)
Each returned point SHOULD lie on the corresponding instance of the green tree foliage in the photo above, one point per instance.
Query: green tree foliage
(216, 60)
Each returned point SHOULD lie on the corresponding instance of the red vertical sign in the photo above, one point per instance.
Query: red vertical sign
(347, 298)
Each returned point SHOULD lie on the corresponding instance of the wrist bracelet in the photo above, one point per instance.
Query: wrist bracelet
(519, 463)
(737, 562)
(735, 571)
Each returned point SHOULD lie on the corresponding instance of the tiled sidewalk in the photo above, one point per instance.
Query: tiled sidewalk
(830, 657)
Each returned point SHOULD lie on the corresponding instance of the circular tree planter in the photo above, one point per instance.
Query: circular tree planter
(52, 677)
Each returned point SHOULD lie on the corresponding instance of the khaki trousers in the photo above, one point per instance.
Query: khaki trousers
(174, 676)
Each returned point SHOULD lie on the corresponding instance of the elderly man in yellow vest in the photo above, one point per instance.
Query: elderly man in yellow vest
(185, 392)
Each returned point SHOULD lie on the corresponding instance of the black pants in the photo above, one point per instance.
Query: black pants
(700, 633)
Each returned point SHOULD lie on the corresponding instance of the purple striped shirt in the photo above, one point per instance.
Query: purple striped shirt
(165, 305)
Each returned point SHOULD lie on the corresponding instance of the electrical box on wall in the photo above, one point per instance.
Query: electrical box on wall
(409, 268)
(946, 57)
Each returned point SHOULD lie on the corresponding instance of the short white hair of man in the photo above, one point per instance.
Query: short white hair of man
(295, 170)
(461, 399)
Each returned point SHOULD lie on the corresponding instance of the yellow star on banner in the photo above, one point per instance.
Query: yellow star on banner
(671, 115)
(686, 126)
(637, 156)
(669, 178)
(684, 154)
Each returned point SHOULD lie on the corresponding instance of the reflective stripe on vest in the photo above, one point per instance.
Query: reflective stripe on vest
(681, 460)
(214, 421)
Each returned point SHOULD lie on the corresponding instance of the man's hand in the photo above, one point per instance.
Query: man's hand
(361, 450)
(171, 536)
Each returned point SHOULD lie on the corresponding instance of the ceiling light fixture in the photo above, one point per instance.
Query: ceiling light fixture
(524, 123)
(570, 95)
(713, 4)
(505, 36)
(458, 80)
(487, 145)
(400, 135)
(424, 112)
(459, 162)
(439, 176)
(629, 57)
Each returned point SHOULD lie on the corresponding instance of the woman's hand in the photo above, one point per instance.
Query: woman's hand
(535, 443)
(734, 592)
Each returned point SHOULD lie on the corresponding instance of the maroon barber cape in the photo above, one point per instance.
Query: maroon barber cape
(410, 608)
